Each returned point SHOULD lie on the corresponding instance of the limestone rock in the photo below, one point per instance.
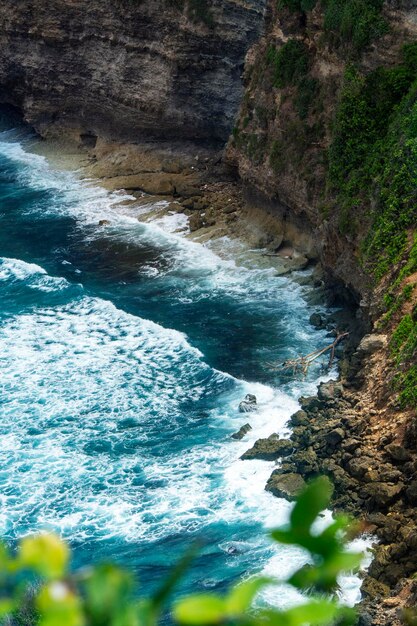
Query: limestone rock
(127, 70)
(243, 430)
(249, 404)
(269, 449)
(300, 418)
(286, 486)
(330, 390)
(372, 343)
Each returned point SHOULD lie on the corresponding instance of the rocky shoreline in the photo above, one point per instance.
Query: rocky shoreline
(341, 434)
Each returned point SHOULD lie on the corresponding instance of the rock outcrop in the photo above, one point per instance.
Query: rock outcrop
(127, 70)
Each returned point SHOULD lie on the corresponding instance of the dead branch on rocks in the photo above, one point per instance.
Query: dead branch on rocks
(301, 364)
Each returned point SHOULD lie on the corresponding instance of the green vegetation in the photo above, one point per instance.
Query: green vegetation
(372, 157)
(37, 586)
(372, 173)
(353, 23)
(404, 350)
(290, 62)
(308, 93)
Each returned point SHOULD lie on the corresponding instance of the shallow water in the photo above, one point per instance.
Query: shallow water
(124, 353)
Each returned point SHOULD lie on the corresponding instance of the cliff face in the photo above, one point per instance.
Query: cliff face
(127, 69)
(285, 137)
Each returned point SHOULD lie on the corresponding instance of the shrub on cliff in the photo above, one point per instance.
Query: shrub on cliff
(290, 62)
(104, 595)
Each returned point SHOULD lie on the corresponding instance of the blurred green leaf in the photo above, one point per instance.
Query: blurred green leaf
(48, 555)
(313, 613)
(107, 589)
(59, 606)
(240, 598)
(200, 609)
(312, 500)
(7, 606)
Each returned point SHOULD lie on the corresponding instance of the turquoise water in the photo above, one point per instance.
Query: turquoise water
(124, 352)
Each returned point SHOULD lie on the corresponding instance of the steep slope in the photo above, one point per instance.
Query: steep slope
(128, 69)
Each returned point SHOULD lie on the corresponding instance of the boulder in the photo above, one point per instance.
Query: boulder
(350, 445)
(286, 486)
(380, 495)
(358, 467)
(196, 222)
(335, 436)
(398, 453)
(248, 404)
(300, 418)
(316, 320)
(305, 461)
(372, 343)
(269, 449)
(330, 390)
(243, 430)
(309, 403)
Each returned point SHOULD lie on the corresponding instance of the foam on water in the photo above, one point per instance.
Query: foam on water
(115, 428)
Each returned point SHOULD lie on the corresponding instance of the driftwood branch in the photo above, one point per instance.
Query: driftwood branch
(301, 364)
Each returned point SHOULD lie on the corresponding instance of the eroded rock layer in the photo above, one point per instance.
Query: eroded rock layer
(127, 69)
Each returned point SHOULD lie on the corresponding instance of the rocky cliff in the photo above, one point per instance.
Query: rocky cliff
(296, 140)
(127, 69)
(325, 142)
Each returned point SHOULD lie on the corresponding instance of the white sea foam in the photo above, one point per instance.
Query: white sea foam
(73, 374)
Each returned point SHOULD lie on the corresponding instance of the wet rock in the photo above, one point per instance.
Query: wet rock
(300, 418)
(309, 403)
(316, 320)
(398, 453)
(269, 449)
(196, 222)
(243, 430)
(248, 404)
(286, 486)
(330, 390)
(305, 461)
(372, 343)
(104, 223)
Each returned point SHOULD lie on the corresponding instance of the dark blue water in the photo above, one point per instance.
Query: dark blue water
(124, 352)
